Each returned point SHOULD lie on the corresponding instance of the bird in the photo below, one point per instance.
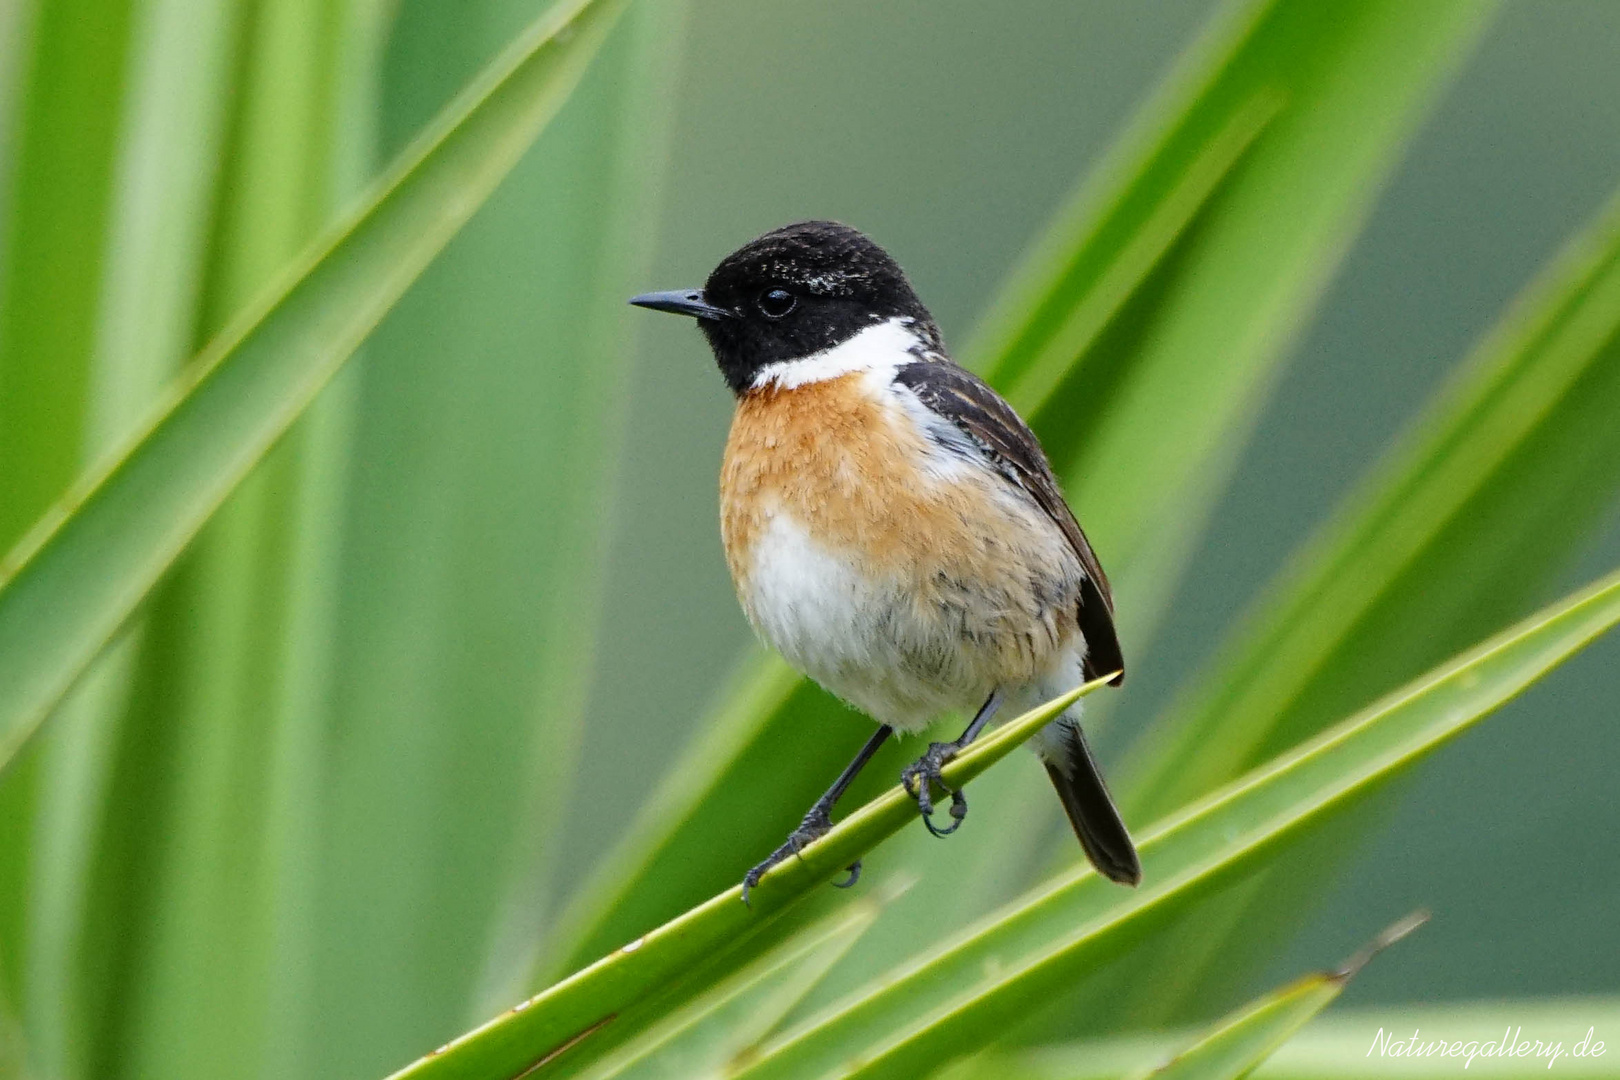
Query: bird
(893, 527)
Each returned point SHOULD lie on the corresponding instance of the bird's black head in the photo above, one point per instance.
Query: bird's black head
(793, 292)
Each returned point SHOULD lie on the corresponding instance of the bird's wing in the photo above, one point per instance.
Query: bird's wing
(991, 425)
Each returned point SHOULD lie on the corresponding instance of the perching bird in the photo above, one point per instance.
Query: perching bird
(893, 527)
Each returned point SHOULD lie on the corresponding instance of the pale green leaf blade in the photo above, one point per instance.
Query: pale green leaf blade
(723, 1025)
(59, 190)
(1243, 1040)
(62, 90)
(1235, 1045)
(1197, 347)
(1365, 1044)
(475, 529)
(570, 1012)
(1488, 495)
(116, 239)
(1494, 490)
(1503, 1040)
(221, 730)
(171, 140)
(961, 995)
(68, 588)
(668, 857)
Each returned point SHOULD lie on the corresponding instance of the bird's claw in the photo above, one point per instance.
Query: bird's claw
(919, 779)
(816, 824)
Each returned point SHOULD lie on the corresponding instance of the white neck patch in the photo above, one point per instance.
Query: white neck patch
(882, 346)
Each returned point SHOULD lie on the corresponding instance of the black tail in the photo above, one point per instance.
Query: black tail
(1090, 808)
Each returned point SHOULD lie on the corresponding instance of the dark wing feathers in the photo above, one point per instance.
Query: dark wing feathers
(953, 392)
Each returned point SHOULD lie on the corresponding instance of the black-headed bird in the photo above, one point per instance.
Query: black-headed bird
(893, 527)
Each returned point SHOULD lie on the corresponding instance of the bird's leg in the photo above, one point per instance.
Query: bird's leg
(818, 821)
(920, 776)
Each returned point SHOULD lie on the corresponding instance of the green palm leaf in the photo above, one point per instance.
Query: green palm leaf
(1489, 494)
(1494, 490)
(963, 994)
(1237, 1044)
(68, 588)
(564, 1016)
(474, 537)
(62, 89)
(1364, 1044)
(722, 1026)
(146, 270)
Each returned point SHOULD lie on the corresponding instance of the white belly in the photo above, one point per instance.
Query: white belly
(871, 641)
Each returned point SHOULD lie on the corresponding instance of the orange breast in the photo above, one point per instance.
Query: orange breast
(846, 466)
(828, 454)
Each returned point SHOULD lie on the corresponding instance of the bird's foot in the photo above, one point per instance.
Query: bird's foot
(921, 776)
(816, 824)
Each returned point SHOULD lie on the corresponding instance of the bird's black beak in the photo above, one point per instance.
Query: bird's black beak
(682, 302)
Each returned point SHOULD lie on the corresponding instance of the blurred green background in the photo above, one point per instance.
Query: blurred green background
(950, 134)
(323, 819)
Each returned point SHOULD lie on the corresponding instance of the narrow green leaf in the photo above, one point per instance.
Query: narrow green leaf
(634, 886)
(1243, 1040)
(722, 1026)
(563, 1016)
(13, 1049)
(1240, 1042)
(63, 93)
(296, 768)
(1052, 334)
(1283, 93)
(1164, 298)
(170, 142)
(241, 630)
(1504, 1040)
(473, 541)
(69, 587)
(1493, 489)
(69, 102)
(962, 995)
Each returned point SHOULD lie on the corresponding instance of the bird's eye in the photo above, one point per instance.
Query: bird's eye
(776, 303)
